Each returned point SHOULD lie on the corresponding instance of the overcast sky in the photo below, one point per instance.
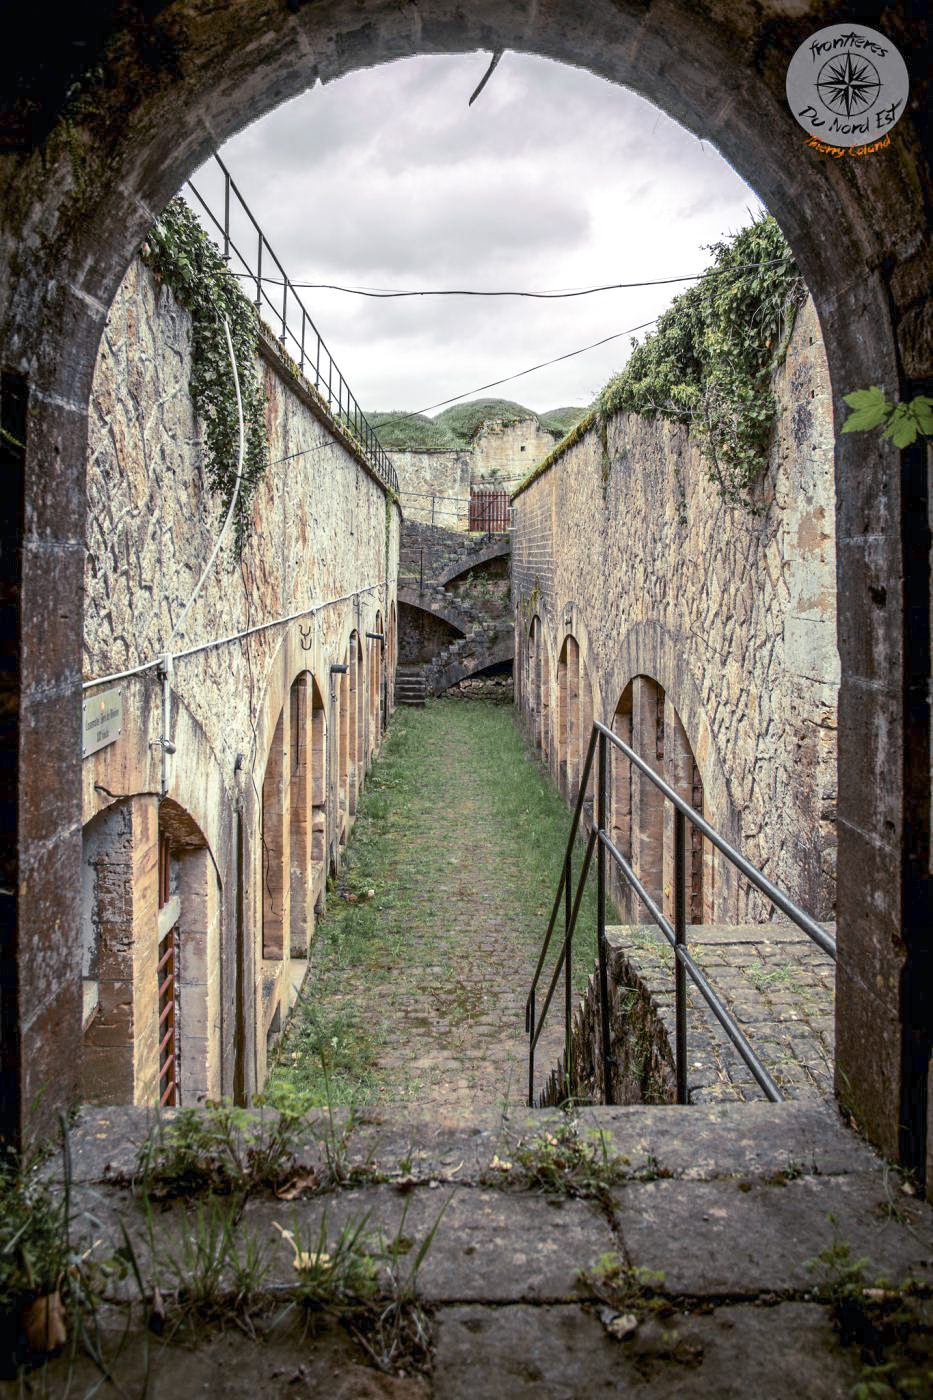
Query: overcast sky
(553, 179)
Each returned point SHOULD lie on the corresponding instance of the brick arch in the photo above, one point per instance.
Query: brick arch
(174, 88)
(462, 670)
(447, 612)
(574, 621)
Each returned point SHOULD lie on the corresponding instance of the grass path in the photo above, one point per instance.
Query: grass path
(418, 991)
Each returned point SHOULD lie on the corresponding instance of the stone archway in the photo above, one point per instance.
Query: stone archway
(109, 117)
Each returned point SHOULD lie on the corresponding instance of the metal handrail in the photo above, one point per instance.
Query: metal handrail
(676, 934)
(312, 356)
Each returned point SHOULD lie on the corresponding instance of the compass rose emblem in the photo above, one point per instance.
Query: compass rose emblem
(848, 84)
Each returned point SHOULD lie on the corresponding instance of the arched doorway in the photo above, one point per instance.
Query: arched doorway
(642, 823)
(119, 118)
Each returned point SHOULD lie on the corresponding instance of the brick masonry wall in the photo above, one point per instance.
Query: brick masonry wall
(733, 614)
(322, 527)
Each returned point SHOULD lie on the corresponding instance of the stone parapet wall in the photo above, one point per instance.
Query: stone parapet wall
(435, 487)
(323, 544)
(624, 546)
(502, 452)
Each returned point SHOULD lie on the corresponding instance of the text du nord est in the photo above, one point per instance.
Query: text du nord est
(876, 121)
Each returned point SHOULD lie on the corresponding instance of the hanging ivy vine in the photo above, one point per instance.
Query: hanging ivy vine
(183, 256)
(709, 363)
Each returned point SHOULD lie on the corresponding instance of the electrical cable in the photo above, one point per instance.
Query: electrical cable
(388, 293)
(494, 384)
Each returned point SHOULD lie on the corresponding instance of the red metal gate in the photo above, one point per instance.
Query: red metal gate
(490, 509)
(167, 975)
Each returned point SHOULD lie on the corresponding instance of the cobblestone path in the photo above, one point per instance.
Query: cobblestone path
(460, 837)
(779, 986)
(459, 909)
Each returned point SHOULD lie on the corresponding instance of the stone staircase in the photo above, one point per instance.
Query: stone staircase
(410, 686)
(484, 644)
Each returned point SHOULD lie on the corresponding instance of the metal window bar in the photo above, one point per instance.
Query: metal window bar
(166, 973)
(604, 740)
(167, 983)
(291, 306)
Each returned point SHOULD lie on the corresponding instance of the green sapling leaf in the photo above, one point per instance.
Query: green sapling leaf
(870, 408)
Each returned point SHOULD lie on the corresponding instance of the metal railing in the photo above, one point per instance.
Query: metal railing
(296, 332)
(603, 740)
(495, 520)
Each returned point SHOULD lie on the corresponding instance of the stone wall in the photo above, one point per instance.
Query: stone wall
(435, 486)
(704, 632)
(503, 452)
(270, 744)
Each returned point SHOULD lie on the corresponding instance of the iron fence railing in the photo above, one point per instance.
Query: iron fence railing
(604, 741)
(481, 511)
(292, 324)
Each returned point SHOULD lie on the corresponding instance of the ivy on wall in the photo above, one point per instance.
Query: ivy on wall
(183, 256)
(710, 361)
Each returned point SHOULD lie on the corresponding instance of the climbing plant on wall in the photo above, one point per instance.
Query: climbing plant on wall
(185, 259)
(710, 361)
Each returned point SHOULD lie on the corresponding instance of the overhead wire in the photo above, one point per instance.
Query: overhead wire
(385, 294)
(493, 384)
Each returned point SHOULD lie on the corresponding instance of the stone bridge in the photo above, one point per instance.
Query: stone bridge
(455, 616)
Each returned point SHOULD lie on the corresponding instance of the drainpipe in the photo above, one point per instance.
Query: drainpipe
(166, 672)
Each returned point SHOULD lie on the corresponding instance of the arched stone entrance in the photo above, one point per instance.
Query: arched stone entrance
(109, 117)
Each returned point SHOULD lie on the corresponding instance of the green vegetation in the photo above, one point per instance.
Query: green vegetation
(52, 1275)
(464, 420)
(902, 423)
(34, 1249)
(399, 431)
(562, 1162)
(214, 1269)
(452, 780)
(710, 361)
(456, 427)
(217, 1148)
(625, 1289)
(185, 258)
(560, 421)
(889, 1327)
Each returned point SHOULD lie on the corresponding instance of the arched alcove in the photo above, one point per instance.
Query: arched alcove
(642, 822)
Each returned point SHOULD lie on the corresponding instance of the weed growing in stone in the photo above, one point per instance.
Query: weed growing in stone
(213, 1269)
(51, 1278)
(887, 1325)
(624, 1287)
(368, 1282)
(334, 1275)
(561, 1162)
(765, 979)
(217, 1148)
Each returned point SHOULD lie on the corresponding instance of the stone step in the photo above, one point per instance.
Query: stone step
(733, 1210)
